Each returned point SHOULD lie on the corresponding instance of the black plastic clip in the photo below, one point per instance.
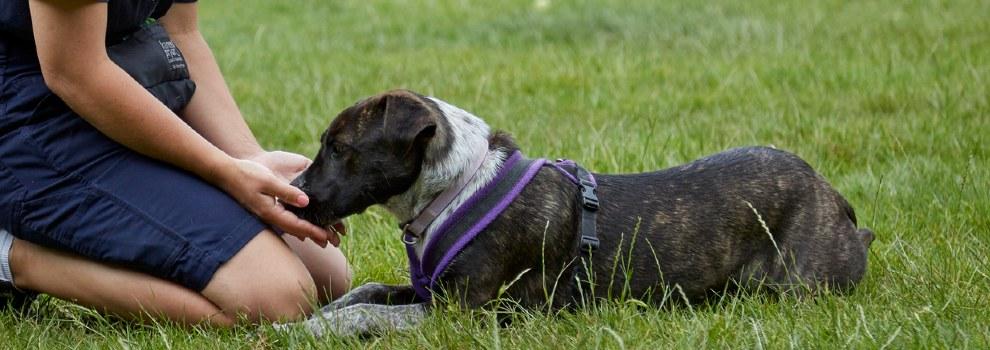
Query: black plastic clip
(589, 243)
(589, 199)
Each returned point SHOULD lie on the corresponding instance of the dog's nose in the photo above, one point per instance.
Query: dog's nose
(299, 182)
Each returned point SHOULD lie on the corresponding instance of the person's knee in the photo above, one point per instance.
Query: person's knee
(282, 298)
(264, 281)
(328, 266)
(340, 281)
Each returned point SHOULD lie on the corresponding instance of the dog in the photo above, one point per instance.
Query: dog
(745, 219)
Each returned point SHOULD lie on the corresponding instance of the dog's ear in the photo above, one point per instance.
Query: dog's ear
(408, 118)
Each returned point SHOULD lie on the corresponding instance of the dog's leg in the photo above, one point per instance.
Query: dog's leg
(375, 293)
(368, 309)
(364, 319)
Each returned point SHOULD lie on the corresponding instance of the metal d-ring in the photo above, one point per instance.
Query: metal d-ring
(408, 238)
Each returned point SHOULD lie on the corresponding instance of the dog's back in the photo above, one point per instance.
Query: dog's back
(744, 217)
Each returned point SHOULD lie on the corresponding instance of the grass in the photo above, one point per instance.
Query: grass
(887, 99)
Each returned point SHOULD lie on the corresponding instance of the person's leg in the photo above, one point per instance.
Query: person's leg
(143, 235)
(327, 266)
(116, 290)
(263, 281)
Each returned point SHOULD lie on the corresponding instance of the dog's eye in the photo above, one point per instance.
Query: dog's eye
(335, 150)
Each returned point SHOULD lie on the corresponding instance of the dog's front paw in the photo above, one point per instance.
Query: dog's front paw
(363, 320)
(367, 293)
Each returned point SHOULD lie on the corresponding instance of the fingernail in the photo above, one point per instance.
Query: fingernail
(302, 200)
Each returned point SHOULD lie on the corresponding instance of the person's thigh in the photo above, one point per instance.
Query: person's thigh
(72, 188)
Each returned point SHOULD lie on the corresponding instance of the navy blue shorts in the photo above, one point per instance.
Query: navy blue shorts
(65, 185)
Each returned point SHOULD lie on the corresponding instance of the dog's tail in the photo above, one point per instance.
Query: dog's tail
(866, 235)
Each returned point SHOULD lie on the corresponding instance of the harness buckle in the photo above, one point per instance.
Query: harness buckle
(589, 243)
(589, 199)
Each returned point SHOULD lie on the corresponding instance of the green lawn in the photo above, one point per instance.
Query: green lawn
(889, 100)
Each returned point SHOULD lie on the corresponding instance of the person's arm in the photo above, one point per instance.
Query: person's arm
(212, 110)
(69, 36)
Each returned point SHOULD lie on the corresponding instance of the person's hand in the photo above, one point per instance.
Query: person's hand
(285, 165)
(256, 187)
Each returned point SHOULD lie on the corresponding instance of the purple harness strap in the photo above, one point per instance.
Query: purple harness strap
(472, 217)
(416, 227)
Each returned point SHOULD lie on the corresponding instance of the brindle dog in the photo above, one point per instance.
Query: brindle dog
(747, 218)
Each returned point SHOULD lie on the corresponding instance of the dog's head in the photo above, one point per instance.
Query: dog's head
(371, 152)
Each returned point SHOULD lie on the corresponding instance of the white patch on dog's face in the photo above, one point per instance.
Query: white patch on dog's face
(467, 134)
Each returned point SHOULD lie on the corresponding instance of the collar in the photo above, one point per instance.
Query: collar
(467, 221)
(413, 230)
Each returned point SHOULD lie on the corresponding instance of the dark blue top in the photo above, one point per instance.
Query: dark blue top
(123, 17)
(21, 83)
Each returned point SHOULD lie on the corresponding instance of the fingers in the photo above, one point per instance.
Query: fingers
(297, 162)
(339, 228)
(285, 165)
(255, 186)
(287, 193)
(321, 236)
(303, 229)
(276, 215)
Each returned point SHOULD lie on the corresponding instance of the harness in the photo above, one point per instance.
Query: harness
(486, 204)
